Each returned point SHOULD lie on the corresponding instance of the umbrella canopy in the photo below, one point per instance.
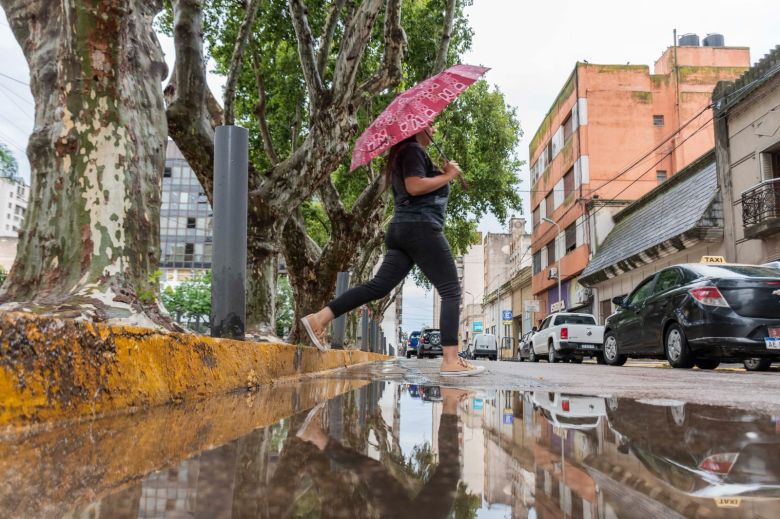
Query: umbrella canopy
(413, 111)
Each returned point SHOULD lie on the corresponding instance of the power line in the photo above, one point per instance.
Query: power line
(14, 79)
(23, 99)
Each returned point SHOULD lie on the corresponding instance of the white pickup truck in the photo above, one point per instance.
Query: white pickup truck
(567, 336)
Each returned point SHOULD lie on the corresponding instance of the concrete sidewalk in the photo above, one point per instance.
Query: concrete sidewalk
(54, 369)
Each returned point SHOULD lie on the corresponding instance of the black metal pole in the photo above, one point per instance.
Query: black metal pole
(228, 288)
(340, 323)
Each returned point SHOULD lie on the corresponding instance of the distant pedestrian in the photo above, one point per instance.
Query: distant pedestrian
(415, 237)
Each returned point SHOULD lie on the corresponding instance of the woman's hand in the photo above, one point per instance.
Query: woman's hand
(452, 169)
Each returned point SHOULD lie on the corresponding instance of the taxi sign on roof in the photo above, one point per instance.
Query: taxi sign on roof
(713, 259)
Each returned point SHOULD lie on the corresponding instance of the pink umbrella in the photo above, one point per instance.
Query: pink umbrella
(413, 111)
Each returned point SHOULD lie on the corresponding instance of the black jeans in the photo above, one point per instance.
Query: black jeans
(408, 244)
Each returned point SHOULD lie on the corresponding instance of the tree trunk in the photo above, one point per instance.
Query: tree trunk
(312, 272)
(91, 237)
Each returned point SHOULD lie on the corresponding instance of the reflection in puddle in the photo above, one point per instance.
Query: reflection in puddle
(400, 450)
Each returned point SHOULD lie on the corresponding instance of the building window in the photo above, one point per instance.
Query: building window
(568, 183)
(770, 165)
(549, 152)
(538, 262)
(551, 252)
(548, 202)
(189, 251)
(567, 128)
(658, 120)
(571, 237)
(660, 175)
(167, 172)
(10, 205)
(536, 219)
(191, 223)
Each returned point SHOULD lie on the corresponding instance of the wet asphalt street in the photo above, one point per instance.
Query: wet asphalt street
(393, 440)
(729, 385)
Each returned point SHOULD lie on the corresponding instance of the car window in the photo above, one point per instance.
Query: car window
(667, 280)
(545, 323)
(575, 319)
(642, 292)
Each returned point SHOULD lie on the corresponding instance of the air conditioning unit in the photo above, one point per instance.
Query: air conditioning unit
(582, 295)
(552, 273)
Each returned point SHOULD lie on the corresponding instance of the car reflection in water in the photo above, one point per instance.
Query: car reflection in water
(702, 450)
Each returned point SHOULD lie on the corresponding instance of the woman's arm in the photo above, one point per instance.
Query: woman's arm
(417, 186)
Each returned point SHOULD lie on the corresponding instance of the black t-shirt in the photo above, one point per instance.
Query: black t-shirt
(413, 161)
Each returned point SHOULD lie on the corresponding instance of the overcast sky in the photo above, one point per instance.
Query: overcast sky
(531, 48)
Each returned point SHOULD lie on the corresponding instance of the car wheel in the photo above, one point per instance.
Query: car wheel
(756, 364)
(408, 355)
(707, 363)
(677, 351)
(552, 358)
(612, 354)
(532, 355)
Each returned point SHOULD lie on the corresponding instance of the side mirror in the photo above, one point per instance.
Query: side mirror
(534, 329)
(619, 301)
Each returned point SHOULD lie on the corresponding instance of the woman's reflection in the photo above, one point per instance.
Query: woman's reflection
(385, 492)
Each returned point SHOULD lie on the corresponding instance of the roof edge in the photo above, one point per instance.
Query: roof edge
(687, 172)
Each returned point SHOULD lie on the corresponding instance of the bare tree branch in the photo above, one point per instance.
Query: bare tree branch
(353, 46)
(296, 237)
(326, 42)
(371, 195)
(295, 128)
(187, 113)
(237, 58)
(446, 37)
(389, 73)
(262, 120)
(331, 201)
(299, 13)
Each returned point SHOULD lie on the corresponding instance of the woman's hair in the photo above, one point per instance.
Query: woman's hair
(391, 157)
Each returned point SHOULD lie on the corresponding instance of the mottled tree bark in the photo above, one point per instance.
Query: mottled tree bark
(91, 237)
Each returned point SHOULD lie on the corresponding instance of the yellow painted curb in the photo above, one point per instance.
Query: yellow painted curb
(58, 368)
(52, 472)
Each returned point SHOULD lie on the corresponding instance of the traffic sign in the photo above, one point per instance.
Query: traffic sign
(477, 326)
(506, 315)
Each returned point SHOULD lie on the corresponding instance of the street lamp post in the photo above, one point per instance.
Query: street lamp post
(559, 260)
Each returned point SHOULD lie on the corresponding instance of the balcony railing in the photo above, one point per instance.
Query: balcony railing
(761, 209)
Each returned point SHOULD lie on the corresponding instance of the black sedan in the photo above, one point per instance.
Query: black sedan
(699, 314)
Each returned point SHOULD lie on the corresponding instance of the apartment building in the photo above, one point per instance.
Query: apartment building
(614, 133)
(505, 254)
(747, 136)
(14, 194)
(185, 221)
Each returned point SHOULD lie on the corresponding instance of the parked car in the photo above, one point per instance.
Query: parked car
(429, 344)
(567, 336)
(699, 314)
(411, 344)
(485, 345)
(524, 346)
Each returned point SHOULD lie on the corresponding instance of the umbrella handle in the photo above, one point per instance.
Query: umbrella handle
(463, 182)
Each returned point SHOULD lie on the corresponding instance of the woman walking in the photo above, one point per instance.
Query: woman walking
(415, 237)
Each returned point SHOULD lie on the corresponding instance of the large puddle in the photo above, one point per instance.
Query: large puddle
(352, 449)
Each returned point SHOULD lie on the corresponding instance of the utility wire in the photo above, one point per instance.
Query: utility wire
(14, 79)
